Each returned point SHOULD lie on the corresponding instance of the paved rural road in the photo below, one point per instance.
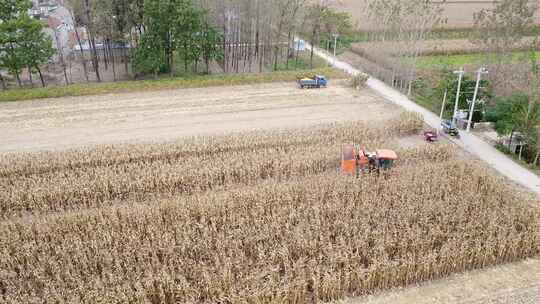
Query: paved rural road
(468, 141)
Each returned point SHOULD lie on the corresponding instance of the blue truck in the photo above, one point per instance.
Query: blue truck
(316, 81)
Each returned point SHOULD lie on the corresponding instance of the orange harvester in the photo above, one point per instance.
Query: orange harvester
(353, 162)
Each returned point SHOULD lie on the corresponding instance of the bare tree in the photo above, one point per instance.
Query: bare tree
(2, 80)
(60, 49)
(79, 42)
(254, 31)
(407, 24)
(501, 31)
(91, 37)
(284, 7)
(314, 18)
(294, 25)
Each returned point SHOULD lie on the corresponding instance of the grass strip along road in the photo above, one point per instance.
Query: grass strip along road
(160, 84)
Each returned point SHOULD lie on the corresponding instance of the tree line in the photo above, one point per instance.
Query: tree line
(175, 29)
(408, 22)
(146, 38)
(23, 44)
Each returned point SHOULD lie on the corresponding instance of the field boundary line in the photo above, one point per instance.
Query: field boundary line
(129, 86)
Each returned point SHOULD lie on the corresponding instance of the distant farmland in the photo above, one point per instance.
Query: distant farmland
(459, 12)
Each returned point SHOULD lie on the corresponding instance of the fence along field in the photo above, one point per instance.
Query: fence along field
(270, 221)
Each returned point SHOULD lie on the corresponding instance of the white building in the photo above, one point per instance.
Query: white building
(42, 9)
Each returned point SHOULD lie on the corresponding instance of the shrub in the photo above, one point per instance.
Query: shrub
(358, 81)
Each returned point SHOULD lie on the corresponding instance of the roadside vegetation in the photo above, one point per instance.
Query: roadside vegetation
(163, 83)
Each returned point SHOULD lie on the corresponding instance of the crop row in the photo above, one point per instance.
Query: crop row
(98, 186)
(95, 187)
(71, 181)
(38, 163)
(312, 238)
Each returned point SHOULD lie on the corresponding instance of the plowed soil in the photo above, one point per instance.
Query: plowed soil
(167, 115)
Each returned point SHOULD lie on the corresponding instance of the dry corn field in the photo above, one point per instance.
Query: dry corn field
(372, 50)
(259, 217)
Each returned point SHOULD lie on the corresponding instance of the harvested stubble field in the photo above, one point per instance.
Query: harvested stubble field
(260, 217)
(155, 116)
(428, 47)
(457, 13)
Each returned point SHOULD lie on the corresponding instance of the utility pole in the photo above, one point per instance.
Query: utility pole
(478, 79)
(442, 107)
(335, 43)
(460, 74)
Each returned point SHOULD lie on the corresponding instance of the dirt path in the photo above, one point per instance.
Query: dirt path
(167, 115)
(510, 284)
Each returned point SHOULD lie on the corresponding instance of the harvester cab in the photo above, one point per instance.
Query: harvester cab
(355, 161)
(386, 159)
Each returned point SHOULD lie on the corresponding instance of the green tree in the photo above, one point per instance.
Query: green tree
(335, 22)
(527, 121)
(517, 113)
(24, 45)
(156, 48)
(533, 142)
(187, 32)
(149, 57)
(503, 112)
(11, 57)
(175, 28)
(36, 46)
(10, 9)
(449, 84)
(209, 44)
